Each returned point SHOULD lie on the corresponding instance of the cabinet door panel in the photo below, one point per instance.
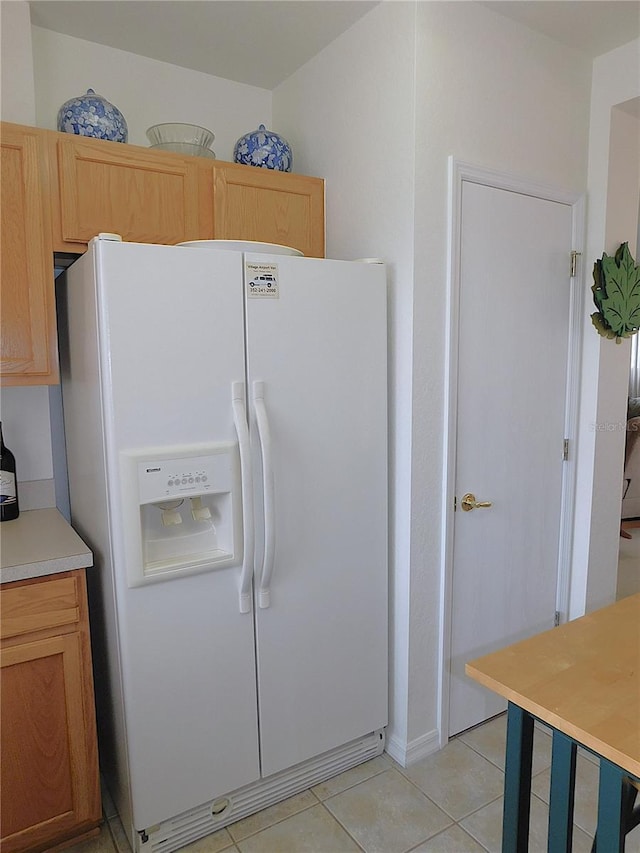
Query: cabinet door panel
(27, 321)
(44, 756)
(145, 196)
(269, 206)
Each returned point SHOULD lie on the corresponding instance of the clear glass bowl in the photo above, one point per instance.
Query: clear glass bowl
(191, 134)
(184, 148)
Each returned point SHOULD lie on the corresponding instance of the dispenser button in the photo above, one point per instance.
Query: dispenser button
(204, 478)
(184, 480)
(191, 479)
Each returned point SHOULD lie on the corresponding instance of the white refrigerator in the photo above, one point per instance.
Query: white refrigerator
(226, 427)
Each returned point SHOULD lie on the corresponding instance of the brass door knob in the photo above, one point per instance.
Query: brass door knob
(469, 502)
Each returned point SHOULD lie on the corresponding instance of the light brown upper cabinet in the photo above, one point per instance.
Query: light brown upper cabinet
(155, 196)
(143, 195)
(251, 203)
(60, 190)
(28, 354)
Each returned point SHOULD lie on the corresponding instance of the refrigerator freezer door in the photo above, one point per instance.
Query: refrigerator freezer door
(170, 346)
(317, 369)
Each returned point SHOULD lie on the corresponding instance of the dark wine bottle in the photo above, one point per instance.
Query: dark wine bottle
(9, 507)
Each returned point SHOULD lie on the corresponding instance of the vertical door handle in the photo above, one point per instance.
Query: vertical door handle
(242, 431)
(264, 435)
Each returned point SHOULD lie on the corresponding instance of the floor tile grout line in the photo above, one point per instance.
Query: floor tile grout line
(275, 822)
(340, 824)
(409, 849)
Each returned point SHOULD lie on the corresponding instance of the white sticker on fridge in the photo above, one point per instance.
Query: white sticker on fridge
(262, 280)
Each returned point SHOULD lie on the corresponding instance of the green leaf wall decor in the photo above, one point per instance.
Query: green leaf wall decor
(616, 293)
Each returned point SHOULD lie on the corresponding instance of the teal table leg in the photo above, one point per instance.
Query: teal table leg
(611, 830)
(517, 781)
(561, 799)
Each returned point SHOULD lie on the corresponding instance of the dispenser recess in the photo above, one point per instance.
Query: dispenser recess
(182, 510)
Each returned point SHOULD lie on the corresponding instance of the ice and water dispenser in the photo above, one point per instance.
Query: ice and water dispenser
(182, 510)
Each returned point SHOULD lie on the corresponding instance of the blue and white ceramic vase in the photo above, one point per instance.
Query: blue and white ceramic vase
(92, 115)
(264, 148)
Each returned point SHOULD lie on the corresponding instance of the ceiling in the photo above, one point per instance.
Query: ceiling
(259, 43)
(263, 43)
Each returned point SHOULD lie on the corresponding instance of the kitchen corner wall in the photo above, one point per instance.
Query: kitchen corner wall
(17, 93)
(613, 193)
(146, 91)
(24, 411)
(42, 69)
(377, 113)
(350, 113)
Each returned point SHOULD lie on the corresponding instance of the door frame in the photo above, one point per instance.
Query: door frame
(459, 172)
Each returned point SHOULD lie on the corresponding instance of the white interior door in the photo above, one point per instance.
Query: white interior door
(320, 347)
(512, 371)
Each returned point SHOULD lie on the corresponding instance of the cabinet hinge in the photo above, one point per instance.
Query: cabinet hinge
(556, 619)
(574, 263)
(565, 450)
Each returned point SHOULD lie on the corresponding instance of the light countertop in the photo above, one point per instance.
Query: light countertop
(40, 542)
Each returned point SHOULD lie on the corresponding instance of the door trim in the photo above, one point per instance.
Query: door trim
(459, 172)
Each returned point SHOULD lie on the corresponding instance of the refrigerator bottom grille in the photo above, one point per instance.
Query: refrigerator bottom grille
(189, 826)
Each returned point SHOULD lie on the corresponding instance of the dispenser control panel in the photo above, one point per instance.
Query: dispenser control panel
(171, 478)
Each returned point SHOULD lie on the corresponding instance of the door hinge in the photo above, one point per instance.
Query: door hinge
(565, 450)
(556, 619)
(574, 263)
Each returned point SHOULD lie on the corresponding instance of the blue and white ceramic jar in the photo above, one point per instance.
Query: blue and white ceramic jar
(92, 115)
(264, 148)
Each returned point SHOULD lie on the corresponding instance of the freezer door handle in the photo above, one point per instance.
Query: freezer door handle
(242, 430)
(264, 435)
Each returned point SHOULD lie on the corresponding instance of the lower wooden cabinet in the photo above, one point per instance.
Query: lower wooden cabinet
(50, 792)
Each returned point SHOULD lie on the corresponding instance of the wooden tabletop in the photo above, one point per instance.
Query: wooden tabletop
(582, 678)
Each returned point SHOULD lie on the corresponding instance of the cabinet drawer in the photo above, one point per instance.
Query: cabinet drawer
(47, 603)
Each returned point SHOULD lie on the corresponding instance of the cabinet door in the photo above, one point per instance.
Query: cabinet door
(28, 353)
(145, 196)
(269, 206)
(43, 757)
(50, 788)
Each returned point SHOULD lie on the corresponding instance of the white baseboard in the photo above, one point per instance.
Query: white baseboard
(408, 753)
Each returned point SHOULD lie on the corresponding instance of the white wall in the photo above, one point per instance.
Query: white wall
(24, 411)
(17, 94)
(42, 69)
(616, 80)
(145, 91)
(378, 113)
(350, 114)
(493, 93)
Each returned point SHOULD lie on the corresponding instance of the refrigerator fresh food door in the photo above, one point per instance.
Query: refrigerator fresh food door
(317, 378)
(170, 326)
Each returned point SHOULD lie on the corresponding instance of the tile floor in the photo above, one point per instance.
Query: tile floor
(450, 801)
